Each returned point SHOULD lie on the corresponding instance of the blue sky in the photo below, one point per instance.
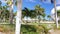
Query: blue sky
(47, 5)
(31, 3)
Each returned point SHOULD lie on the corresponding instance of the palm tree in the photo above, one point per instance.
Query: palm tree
(43, 16)
(32, 13)
(39, 11)
(26, 12)
(56, 21)
(18, 17)
(49, 17)
(3, 12)
(56, 14)
(0, 9)
(10, 4)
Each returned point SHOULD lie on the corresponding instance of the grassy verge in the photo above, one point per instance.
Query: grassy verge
(7, 28)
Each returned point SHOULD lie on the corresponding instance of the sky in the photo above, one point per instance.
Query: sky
(47, 5)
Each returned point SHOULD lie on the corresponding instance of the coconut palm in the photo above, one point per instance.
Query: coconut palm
(10, 4)
(32, 13)
(43, 16)
(39, 11)
(18, 17)
(56, 21)
(49, 17)
(56, 14)
(26, 12)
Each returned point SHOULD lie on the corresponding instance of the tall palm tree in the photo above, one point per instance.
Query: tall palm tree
(0, 9)
(11, 12)
(18, 17)
(56, 21)
(10, 4)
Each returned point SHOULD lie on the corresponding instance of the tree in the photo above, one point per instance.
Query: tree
(39, 11)
(49, 17)
(33, 14)
(58, 13)
(43, 16)
(18, 17)
(10, 4)
(4, 13)
(26, 12)
(56, 21)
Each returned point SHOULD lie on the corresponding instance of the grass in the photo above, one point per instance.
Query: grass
(28, 29)
(7, 28)
(33, 29)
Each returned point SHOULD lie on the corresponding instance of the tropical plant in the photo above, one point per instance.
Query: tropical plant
(58, 13)
(54, 2)
(4, 13)
(10, 4)
(44, 16)
(39, 11)
(26, 12)
(49, 17)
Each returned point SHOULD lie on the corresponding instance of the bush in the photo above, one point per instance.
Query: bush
(33, 29)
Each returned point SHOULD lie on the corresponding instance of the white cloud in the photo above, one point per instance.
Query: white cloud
(58, 1)
(47, 1)
(2, 1)
(30, 0)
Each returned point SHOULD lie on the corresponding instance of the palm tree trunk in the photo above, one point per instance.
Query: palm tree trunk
(56, 20)
(11, 13)
(18, 17)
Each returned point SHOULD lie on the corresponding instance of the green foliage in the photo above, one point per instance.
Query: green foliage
(5, 13)
(33, 29)
(7, 28)
(58, 12)
(37, 12)
(0, 3)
